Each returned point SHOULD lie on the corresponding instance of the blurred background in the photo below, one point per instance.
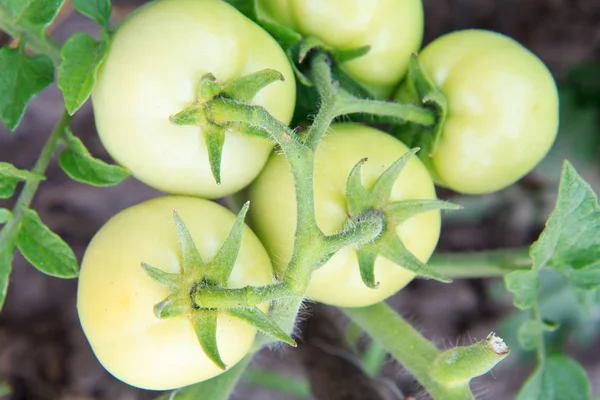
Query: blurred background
(44, 355)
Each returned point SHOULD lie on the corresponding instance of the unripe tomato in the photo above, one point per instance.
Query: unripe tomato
(393, 29)
(503, 110)
(152, 71)
(338, 282)
(115, 296)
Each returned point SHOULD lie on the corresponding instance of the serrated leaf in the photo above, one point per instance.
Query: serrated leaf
(7, 251)
(224, 261)
(98, 10)
(36, 14)
(391, 247)
(79, 165)
(262, 322)
(586, 278)
(189, 252)
(214, 136)
(572, 233)
(5, 215)
(81, 57)
(246, 87)
(560, 378)
(525, 287)
(530, 331)
(205, 325)
(44, 249)
(21, 79)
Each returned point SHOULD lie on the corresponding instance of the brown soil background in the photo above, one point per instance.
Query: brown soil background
(43, 353)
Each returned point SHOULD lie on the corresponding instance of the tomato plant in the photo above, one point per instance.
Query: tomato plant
(115, 297)
(192, 96)
(339, 281)
(153, 71)
(393, 29)
(502, 110)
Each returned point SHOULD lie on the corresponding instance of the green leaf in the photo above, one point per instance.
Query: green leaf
(571, 238)
(21, 79)
(36, 14)
(560, 378)
(189, 252)
(5, 215)
(262, 322)
(79, 165)
(525, 287)
(530, 331)
(7, 251)
(98, 10)
(205, 325)
(81, 57)
(224, 261)
(217, 388)
(10, 176)
(44, 249)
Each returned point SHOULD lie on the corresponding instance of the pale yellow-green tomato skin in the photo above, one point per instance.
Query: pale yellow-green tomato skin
(338, 282)
(393, 29)
(155, 62)
(503, 110)
(115, 296)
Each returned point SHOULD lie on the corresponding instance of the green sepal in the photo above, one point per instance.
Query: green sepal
(400, 211)
(262, 322)
(366, 262)
(224, 261)
(391, 247)
(191, 115)
(208, 87)
(311, 43)
(172, 306)
(214, 135)
(168, 280)
(356, 193)
(246, 87)
(382, 190)
(205, 325)
(189, 252)
(342, 56)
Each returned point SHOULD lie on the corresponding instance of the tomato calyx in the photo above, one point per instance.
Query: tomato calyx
(200, 292)
(362, 201)
(419, 87)
(242, 90)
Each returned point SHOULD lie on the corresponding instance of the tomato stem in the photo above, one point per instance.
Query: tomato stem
(246, 297)
(481, 264)
(408, 346)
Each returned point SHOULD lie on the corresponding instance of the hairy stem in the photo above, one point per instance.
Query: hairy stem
(481, 264)
(38, 43)
(406, 345)
(246, 297)
(402, 112)
(10, 230)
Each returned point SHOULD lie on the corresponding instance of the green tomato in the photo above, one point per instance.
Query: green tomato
(338, 282)
(115, 296)
(503, 110)
(393, 29)
(155, 62)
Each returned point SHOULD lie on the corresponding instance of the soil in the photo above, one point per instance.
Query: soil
(43, 353)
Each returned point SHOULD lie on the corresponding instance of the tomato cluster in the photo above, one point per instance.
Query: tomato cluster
(171, 57)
